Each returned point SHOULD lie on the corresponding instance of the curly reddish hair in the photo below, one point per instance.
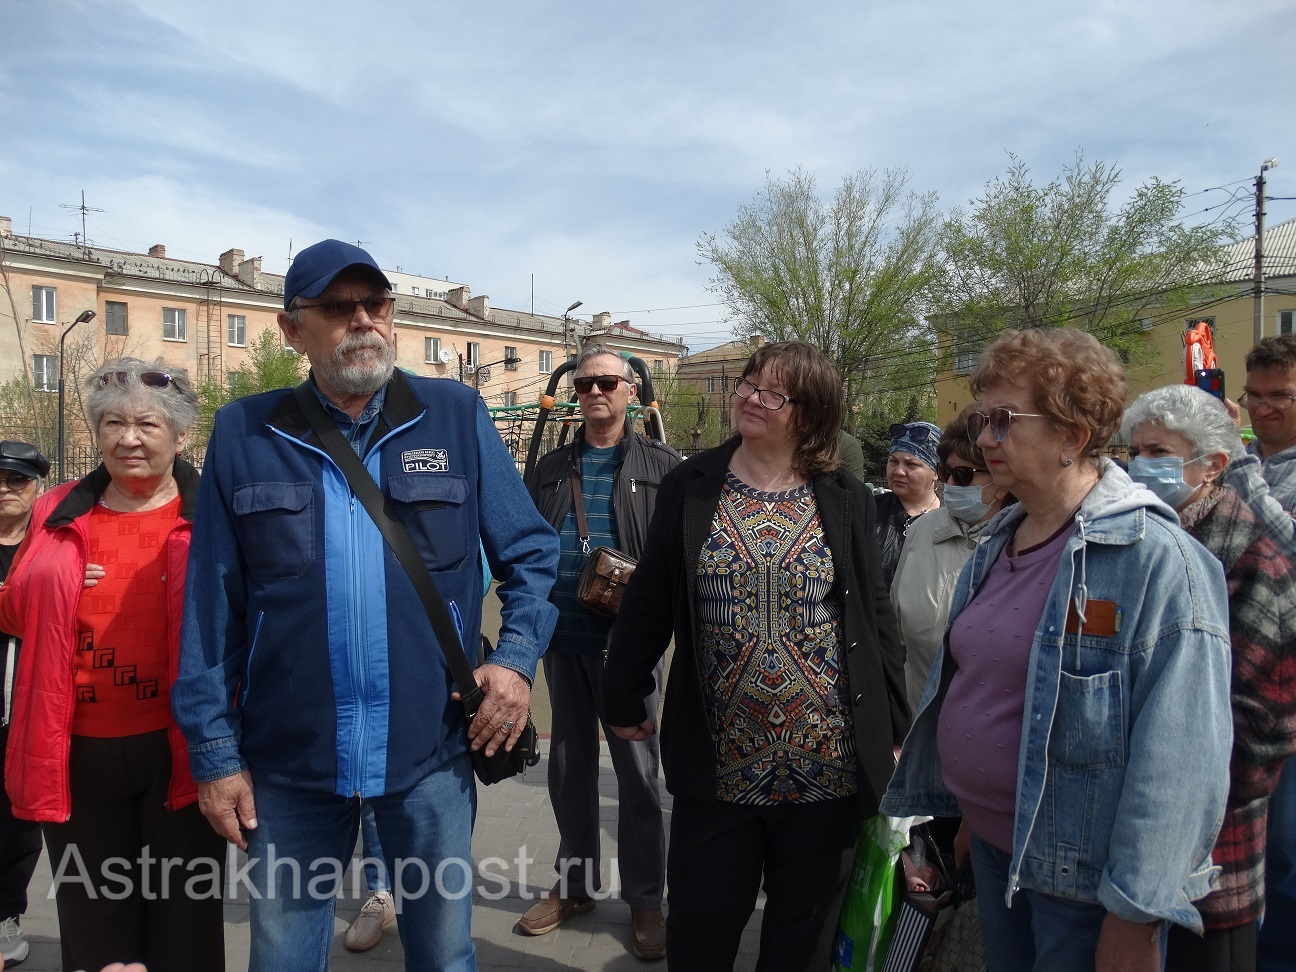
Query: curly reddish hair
(1077, 382)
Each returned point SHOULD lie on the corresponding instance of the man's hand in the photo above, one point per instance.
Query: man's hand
(227, 805)
(94, 574)
(1234, 410)
(636, 733)
(1128, 946)
(503, 712)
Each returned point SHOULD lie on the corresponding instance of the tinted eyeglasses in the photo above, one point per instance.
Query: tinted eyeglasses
(378, 308)
(960, 475)
(606, 383)
(153, 379)
(16, 482)
(1000, 421)
(766, 397)
(917, 434)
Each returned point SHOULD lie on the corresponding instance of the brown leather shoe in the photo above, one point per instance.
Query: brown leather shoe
(649, 933)
(551, 911)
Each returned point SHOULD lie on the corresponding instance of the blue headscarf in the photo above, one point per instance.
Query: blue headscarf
(917, 438)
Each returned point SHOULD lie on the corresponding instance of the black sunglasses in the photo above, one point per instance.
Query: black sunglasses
(153, 379)
(962, 475)
(606, 383)
(378, 308)
(16, 482)
(918, 433)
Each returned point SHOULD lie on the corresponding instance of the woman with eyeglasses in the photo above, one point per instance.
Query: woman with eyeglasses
(911, 475)
(94, 753)
(938, 545)
(1181, 442)
(786, 693)
(1079, 716)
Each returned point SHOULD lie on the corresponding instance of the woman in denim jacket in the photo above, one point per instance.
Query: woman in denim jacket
(1078, 715)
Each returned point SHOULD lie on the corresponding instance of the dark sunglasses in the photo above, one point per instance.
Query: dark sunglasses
(917, 433)
(378, 308)
(606, 383)
(153, 379)
(16, 482)
(1000, 421)
(962, 475)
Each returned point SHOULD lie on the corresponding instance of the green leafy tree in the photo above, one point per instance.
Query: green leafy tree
(849, 275)
(269, 365)
(1063, 254)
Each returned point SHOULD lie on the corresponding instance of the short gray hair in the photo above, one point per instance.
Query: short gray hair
(116, 384)
(594, 350)
(1198, 416)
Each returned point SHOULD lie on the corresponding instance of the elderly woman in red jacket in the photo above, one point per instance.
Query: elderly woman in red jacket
(95, 592)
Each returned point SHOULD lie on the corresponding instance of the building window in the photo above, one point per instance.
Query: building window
(236, 330)
(659, 366)
(711, 384)
(45, 372)
(43, 305)
(546, 362)
(114, 317)
(474, 354)
(510, 398)
(1287, 322)
(432, 350)
(510, 353)
(174, 327)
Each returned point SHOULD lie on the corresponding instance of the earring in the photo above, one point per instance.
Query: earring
(1066, 461)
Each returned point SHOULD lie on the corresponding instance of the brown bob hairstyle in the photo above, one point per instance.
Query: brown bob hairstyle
(816, 419)
(1077, 382)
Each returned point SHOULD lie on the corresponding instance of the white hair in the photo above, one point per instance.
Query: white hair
(1198, 416)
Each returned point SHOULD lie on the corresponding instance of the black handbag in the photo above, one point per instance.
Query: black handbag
(489, 769)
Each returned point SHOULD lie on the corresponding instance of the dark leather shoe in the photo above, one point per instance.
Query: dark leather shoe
(649, 933)
(551, 911)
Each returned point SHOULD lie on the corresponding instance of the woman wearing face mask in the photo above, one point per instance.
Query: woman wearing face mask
(911, 474)
(1181, 439)
(938, 546)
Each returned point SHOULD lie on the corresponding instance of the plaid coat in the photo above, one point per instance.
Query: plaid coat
(1262, 622)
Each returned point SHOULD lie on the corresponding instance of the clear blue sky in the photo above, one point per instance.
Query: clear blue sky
(592, 143)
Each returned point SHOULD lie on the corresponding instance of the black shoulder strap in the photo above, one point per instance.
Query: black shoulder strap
(398, 538)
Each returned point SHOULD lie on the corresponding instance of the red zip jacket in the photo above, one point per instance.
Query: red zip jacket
(39, 603)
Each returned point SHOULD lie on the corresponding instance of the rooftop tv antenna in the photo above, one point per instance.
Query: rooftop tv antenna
(82, 209)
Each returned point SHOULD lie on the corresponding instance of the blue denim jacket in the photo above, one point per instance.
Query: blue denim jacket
(1123, 770)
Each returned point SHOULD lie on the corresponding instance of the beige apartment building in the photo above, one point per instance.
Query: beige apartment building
(203, 318)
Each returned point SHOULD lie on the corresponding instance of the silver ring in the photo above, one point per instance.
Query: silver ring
(508, 726)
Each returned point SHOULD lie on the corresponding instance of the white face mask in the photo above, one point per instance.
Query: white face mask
(964, 503)
(1164, 476)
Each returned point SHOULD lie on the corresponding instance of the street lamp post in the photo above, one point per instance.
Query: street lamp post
(479, 377)
(83, 317)
(566, 319)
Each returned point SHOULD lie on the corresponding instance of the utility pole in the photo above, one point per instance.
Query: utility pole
(1258, 275)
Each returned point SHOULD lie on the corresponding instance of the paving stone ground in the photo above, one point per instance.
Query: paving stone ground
(511, 815)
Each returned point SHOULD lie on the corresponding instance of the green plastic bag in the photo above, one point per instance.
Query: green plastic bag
(869, 911)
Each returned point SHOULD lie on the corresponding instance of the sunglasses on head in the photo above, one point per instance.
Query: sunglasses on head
(962, 475)
(1000, 421)
(153, 379)
(16, 482)
(915, 433)
(606, 383)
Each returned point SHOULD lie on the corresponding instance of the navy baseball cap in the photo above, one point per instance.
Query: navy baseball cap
(314, 268)
(23, 458)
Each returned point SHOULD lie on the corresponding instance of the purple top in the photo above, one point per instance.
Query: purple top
(980, 727)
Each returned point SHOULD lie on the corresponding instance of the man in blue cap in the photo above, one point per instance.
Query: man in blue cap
(310, 676)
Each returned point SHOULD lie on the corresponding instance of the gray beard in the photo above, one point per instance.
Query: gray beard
(358, 378)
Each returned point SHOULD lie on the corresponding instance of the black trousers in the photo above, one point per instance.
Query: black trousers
(117, 903)
(20, 847)
(1224, 950)
(719, 855)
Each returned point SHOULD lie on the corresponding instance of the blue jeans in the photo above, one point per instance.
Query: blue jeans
(1040, 931)
(1276, 948)
(304, 841)
(371, 852)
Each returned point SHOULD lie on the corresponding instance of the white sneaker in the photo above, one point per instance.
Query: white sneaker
(13, 943)
(366, 931)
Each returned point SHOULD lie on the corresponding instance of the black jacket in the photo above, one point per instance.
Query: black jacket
(641, 464)
(659, 603)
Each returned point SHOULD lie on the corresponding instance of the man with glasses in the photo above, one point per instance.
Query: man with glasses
(1268, 397)
(615, 473)
(22, 470)
(310, 676)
